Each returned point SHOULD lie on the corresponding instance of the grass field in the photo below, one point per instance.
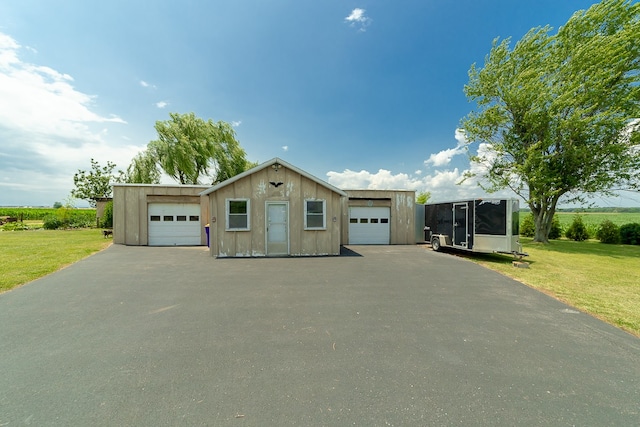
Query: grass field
(600, 279)
(28, 255)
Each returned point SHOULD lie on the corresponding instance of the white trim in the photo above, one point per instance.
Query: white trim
(227, 213)
(324, 214)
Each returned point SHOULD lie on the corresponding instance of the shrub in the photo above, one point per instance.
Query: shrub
(608, 232)
(15, 226)
(528, 227)
(107, 216)
(51, 222)
(577, 230)
(630, 234)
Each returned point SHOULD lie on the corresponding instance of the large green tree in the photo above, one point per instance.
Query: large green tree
(557, 114)
(95, 183)
(189, 148)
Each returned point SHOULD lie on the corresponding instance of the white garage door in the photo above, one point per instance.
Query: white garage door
(174, 224)
(369, 226)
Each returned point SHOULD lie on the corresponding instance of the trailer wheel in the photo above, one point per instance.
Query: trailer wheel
(435, 243)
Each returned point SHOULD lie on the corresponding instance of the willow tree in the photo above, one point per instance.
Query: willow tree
(557, 114)
(143, 169)
(189, 148)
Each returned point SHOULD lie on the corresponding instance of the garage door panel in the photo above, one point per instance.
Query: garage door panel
(174, 224)
(369, 225)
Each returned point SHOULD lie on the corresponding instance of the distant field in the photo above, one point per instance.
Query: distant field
(40, 213)
(593, 219)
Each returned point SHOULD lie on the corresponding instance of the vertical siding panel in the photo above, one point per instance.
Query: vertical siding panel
(132, 220)
(258, 189)
(119, 208)
(323, 238)
(214, 226)
(295, 195)
(143, 218)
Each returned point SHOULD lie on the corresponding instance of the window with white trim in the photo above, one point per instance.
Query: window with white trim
(315, 217)
(238, 214)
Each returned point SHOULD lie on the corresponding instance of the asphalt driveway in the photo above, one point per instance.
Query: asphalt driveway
(399, 335)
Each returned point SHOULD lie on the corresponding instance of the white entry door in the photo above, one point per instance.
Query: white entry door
(277, 228)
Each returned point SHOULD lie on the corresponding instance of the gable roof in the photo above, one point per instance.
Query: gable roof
(267, 164)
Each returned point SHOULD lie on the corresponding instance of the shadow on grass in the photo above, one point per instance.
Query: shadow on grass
(504, 259)
(587, 247)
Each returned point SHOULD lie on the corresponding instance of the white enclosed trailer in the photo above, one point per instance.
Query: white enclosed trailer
(475, 225)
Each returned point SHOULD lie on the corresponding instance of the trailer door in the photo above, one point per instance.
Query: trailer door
(460, 224)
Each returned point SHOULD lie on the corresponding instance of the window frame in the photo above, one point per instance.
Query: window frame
(324, 214)
(228, 214)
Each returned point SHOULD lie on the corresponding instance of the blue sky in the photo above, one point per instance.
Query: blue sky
(362, 94)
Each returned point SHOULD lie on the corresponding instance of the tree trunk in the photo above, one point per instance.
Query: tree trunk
(543, 218)
(541, 234)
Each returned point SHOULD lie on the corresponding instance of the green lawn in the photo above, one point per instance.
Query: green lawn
(28, 255)
(600, 279)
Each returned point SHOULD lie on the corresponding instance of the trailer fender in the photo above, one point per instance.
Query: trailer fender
(435, 243)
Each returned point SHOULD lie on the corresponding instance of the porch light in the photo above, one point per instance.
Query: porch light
(276, 166)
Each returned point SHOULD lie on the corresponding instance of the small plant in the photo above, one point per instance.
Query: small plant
(51, 222)
(608, 232)
(527, 226)
(15, 226)
(630, 234)
(577, 230)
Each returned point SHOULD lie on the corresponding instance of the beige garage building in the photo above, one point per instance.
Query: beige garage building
(274, 209)
(159, 215)
(379, 217)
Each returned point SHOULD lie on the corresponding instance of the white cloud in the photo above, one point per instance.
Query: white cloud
(461, 137)
(48, 128)
(39, 99)
(162, 104)
(442, 184)
(358, 19)
(381, 180)
(147, 84)
(236, 123)
(285, 148)
(444, 157)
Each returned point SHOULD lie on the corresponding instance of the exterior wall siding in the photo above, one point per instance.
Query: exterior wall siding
(294, 190)
(130, 209)
(402, 204)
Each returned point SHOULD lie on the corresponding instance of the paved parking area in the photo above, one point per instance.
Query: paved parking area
(394, 335)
